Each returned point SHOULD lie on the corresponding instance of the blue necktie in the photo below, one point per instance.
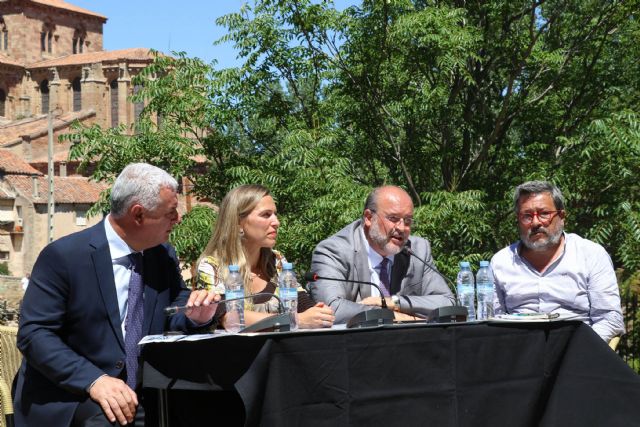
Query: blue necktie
(135, 316)
(384, 276)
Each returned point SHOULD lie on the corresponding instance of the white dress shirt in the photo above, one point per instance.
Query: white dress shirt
(374, 266)
(121, 268)
(580, 284)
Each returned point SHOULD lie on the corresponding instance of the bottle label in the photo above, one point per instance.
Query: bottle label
(485, 287)
(465, 289)
(235, 293)
(288, 293)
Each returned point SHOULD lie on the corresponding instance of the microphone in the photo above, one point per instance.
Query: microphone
(375, 317)
(447, 314)
(312, 277)
(169, 311)
(277, 323)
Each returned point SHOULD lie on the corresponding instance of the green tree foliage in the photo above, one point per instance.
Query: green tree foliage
(456, 101)
(194, 232)
(600, 169)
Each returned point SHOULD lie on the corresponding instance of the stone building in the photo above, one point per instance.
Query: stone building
(52, 61)
(24, 217)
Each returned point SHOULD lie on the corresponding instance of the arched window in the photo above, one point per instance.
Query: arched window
(77, 94)
(4, 35)
(78, 40)
(114, 102)
(3, 98)
(46, 38)
(44, 93)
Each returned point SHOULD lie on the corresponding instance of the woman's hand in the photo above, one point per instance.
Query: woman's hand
(318, 316)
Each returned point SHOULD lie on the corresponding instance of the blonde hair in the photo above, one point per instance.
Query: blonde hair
(225, 244)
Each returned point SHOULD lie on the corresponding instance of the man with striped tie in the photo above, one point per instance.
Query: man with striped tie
(93, 295)
(370, 249)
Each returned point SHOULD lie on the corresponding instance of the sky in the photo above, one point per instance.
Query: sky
(169, 25)
(166, 25)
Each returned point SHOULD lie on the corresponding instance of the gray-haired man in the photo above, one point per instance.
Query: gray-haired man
(92, 296)
(549, 270)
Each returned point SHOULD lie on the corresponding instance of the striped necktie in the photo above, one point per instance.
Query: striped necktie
(134, 319)
(384, 276)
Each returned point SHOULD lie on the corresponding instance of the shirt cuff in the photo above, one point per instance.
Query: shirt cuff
(94, 381)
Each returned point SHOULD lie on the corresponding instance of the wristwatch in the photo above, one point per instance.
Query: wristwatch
(396, 302)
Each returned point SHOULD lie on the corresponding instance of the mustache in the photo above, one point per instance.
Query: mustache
(539, 229)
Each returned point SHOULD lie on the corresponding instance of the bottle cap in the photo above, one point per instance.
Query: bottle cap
(464, 264)
(234, 267)
(287, 266)
(484, 263)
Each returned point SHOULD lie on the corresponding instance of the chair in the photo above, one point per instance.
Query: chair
(10, 359)
(613, 343)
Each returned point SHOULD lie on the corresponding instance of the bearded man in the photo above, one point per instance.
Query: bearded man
(549, 270)
(370, 250)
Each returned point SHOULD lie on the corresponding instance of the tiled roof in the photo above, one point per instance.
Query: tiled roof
(12, 164)
(37, 126)
(5, 194)
(5, 60)
(59, 156)
(59, 4)
(70, 189)
(140, 54)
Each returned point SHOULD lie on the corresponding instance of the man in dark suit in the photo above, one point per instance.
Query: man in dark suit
(370, 249)
(80, 314)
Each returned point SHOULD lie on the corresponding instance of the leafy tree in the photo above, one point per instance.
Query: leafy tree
(457, 102)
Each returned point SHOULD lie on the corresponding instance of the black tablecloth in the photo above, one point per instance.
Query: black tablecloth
(549, 374)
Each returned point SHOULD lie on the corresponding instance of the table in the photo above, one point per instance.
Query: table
(548, 374)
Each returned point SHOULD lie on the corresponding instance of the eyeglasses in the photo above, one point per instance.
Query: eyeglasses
(407, 221)
(544, 217)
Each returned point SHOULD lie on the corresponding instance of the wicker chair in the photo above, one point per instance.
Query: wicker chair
(613, 343)
(10, 359)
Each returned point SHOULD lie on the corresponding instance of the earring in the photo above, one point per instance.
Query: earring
(241, 233)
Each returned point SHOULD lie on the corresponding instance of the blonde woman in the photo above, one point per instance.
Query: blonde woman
(245, 234)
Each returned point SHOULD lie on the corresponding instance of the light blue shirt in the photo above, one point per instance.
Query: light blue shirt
(119, 251)
(581, 284)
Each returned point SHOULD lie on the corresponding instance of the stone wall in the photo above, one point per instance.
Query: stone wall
(11, 291)
(26, 21)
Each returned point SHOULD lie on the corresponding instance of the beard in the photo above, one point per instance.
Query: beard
(383, 240)
(552, 238)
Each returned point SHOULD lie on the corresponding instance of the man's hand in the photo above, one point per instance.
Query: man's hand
(202, 306)
(402, 316)
(115, 398)
(318, 316)
(377, 301)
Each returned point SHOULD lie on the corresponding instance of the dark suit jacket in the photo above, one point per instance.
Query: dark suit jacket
(70, 331)
(344, 256)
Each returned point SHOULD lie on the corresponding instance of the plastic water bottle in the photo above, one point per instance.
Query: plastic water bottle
(466, 291)
(288, 285)
(234, 288)
(485, 292)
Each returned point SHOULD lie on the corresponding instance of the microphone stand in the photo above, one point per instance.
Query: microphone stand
(374, 317)
(449, 313)
(280, 322)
